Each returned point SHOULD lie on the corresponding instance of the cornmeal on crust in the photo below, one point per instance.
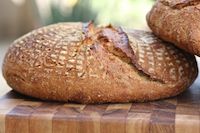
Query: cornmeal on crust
(78, 62)
(178, 22)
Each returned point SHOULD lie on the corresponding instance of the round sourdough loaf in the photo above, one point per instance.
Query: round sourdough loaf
(79, 62)
(178, 22)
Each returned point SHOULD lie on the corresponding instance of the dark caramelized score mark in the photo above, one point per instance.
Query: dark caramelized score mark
(88, 29)
(116, 42)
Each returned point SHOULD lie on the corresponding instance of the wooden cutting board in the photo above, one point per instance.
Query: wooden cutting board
(20, 114)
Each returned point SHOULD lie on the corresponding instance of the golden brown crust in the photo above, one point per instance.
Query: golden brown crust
(177, 21)
(179, 4)
(66, 62)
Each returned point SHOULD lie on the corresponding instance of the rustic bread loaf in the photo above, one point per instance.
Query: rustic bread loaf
(178, 22)
(87, 64)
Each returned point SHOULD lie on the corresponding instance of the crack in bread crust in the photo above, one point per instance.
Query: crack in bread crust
(116, 42)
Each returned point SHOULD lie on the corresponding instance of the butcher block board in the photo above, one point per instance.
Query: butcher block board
(21, 114)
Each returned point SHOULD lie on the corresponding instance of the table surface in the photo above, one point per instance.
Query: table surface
(21, 114)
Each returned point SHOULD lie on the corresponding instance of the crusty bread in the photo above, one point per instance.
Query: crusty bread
(178, 22)
(87, 64)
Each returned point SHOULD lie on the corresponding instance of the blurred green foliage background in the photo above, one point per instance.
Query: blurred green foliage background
(21, 16)
(129, 13)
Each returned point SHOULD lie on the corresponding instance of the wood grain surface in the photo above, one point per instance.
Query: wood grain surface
(21, 114)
